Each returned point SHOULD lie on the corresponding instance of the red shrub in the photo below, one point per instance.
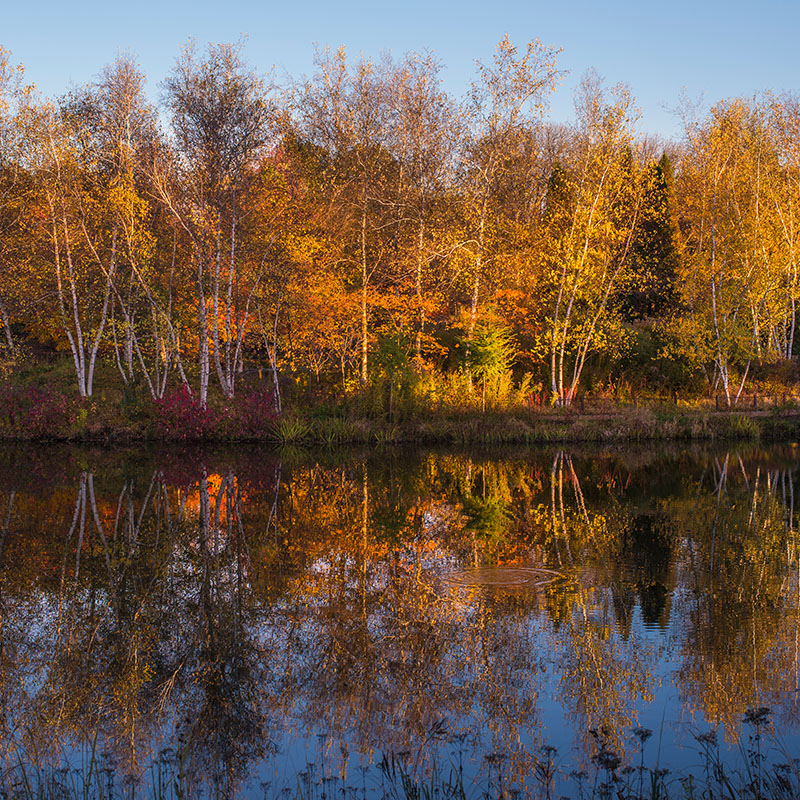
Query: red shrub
(252, 415)
(34, 413)
(181, 416)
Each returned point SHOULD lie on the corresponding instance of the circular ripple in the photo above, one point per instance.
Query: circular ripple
(501, 577)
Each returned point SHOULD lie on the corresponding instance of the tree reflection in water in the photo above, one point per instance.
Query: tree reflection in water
(219, 611)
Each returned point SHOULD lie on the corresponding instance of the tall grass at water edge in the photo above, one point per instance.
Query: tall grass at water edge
(764, 771)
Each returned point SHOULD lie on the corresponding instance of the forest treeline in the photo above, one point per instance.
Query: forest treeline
(362, 228)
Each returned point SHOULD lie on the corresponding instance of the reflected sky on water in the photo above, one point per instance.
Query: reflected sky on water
(245, 620)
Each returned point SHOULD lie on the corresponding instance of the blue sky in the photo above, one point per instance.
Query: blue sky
(714, 49)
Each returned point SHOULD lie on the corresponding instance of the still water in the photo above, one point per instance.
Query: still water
(249, 623)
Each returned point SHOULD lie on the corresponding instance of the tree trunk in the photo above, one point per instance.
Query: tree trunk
(6, 325)
(473, 306)
(364, 309)
(418, 289)
(202, 324)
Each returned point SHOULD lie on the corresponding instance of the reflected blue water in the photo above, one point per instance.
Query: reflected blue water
(257, 624)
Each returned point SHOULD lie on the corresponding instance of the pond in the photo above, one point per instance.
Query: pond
(252, 623)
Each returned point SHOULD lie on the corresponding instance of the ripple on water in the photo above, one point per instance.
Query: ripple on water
(502, 577)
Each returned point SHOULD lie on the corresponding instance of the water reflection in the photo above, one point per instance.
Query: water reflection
(233, 613)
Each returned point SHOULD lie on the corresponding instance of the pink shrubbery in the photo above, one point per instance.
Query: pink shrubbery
(45, 413)
(179, 415)
(253, 415)
(35, 413)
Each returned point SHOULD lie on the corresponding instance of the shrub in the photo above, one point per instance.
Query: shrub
(253, 415)
(35, 413)
(181, 416)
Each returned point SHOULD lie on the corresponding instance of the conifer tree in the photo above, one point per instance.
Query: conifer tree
(649, 290)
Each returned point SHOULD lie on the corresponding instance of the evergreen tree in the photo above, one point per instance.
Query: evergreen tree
(649, 290)
(559, 199)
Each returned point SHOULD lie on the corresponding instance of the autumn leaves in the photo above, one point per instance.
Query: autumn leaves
(311, 229)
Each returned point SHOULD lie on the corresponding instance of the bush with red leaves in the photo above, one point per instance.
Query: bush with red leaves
(251, 416)
(35, 413)
(180, 415)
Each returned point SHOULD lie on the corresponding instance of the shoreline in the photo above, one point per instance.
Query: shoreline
(514, 427)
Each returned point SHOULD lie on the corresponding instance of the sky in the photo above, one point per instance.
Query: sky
(706, 50)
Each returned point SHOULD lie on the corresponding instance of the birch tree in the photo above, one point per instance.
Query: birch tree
(15, 188)
(81, 251)
(784, 200)
(121, 140)
(222, 124)
(738, 285)
(591, 225)
(344, 110)
(505, 101)
(425, 139)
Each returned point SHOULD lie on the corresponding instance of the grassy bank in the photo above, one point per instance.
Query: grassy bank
(38, 402)
(521, 428)
(53, 419)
